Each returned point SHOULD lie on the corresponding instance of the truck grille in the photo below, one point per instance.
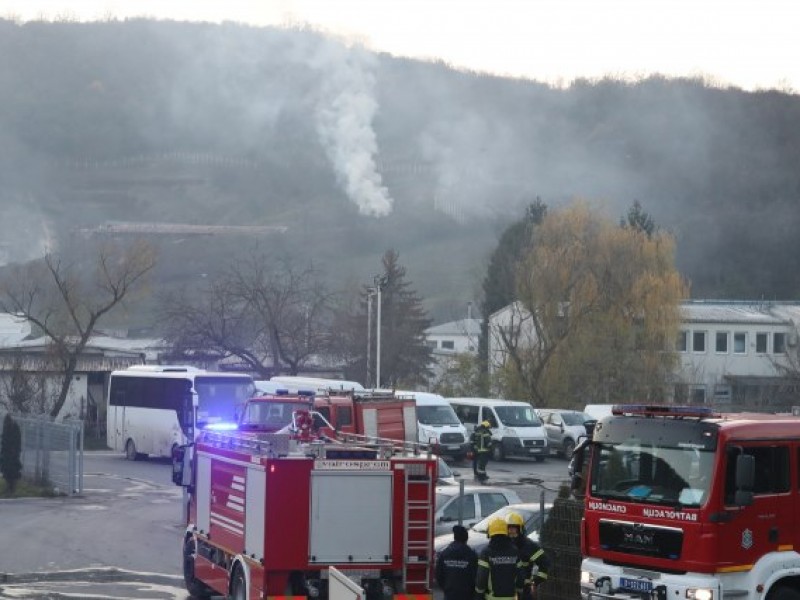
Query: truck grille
(636, 538)
(451, 438)
(532, 443)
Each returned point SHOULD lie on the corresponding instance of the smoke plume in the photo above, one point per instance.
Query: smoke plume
(344, 124)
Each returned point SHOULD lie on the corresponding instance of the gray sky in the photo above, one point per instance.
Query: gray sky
(748, 43)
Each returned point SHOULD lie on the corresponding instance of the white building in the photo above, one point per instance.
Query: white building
(732, 354)
(454, 337)
(448, 340)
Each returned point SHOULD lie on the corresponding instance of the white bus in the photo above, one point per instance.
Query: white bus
(153, 408)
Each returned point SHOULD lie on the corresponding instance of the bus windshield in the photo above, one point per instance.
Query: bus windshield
(639, 471)
(218, 398)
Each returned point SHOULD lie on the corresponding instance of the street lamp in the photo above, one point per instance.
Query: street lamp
(380, 283)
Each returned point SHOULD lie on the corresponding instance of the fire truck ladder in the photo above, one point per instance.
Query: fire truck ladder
(419, 524)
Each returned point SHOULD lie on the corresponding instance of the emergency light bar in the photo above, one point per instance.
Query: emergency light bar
(656, 410)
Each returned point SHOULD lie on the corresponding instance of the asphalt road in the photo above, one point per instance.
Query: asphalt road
(121, 538)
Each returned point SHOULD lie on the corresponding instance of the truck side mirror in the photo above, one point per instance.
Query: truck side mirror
(181, 465)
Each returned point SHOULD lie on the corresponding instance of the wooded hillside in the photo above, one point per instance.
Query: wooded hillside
(163, 122)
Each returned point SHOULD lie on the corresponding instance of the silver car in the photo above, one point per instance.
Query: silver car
(564, 428)
(477, 503)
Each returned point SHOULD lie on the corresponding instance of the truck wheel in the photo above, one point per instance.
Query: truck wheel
(238, 588)
(497, 452)
(130, 451)
(569, 448)
(195, 587)
(784, 593)
(540, 458)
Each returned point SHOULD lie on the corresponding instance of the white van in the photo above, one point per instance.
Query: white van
(516, 428)
(318, 385)
(438, 424)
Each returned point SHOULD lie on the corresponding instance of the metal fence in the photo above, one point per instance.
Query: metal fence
(52, 453)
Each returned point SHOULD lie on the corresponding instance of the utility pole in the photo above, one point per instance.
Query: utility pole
(380, 283)
(370, 294)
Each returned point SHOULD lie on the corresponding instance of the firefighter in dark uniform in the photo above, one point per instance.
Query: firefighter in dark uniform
(456, 567)
(481, 440)
(530, 554)
(498, 574)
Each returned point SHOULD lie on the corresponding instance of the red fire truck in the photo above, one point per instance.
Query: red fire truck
(269, 514)
(684, 503)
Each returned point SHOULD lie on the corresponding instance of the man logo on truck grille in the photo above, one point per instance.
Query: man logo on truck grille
(747, 539)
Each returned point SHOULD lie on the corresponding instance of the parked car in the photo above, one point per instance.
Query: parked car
(477, 503)
(446, 475)
(564, 428)
(477, 540)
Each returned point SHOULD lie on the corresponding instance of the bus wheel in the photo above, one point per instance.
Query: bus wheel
(130, 451)
(237, 585)
(196, 588)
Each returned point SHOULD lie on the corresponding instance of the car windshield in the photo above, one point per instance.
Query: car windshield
(273, 415)
(518, 416)
(530, 516)
(637, 471)
(437, 415)
(575, 418)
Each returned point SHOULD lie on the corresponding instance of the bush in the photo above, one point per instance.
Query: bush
(10, 452)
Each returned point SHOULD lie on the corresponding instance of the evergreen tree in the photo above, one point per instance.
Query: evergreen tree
(639, 220)
(10, 452)
(499, 285)
(405, 356)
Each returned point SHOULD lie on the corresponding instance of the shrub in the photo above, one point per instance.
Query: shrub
(10, 452)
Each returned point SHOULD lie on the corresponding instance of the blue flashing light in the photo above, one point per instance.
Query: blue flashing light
(221, 426)
(305, 393)
(659, 410)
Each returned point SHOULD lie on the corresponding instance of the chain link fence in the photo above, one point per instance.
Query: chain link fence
(52, 453)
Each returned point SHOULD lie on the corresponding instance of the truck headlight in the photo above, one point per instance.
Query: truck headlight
(587, 578)
(700, 594)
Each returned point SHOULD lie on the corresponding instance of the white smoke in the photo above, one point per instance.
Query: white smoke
(344, 122)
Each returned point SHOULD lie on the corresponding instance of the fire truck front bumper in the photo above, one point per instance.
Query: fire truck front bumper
(600, 581)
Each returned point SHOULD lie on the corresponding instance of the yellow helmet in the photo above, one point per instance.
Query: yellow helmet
(497, 526)
(486, 424)
(514, 518)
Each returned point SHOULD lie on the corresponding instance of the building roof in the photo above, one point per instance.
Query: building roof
(740, 311)
(13, 329)
(470, 327)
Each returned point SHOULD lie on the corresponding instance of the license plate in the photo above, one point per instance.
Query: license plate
(533, 450)
(636, 585)
(453, 447)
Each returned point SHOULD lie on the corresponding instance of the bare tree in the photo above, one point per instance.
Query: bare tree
(67, 298)
(23, 390)
(268, 312)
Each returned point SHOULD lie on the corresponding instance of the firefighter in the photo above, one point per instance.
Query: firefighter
(481, 440)
(456, 567)
(498, 574)
(530, 554)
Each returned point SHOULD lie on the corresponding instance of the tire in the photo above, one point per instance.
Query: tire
(238, 587)
(569, 448)
(783, 593)
(196, 588)
(540, 458)
(130, 450)
(497, 452)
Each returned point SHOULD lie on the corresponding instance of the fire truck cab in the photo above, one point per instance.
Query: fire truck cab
(686, 503)
(269, 514)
